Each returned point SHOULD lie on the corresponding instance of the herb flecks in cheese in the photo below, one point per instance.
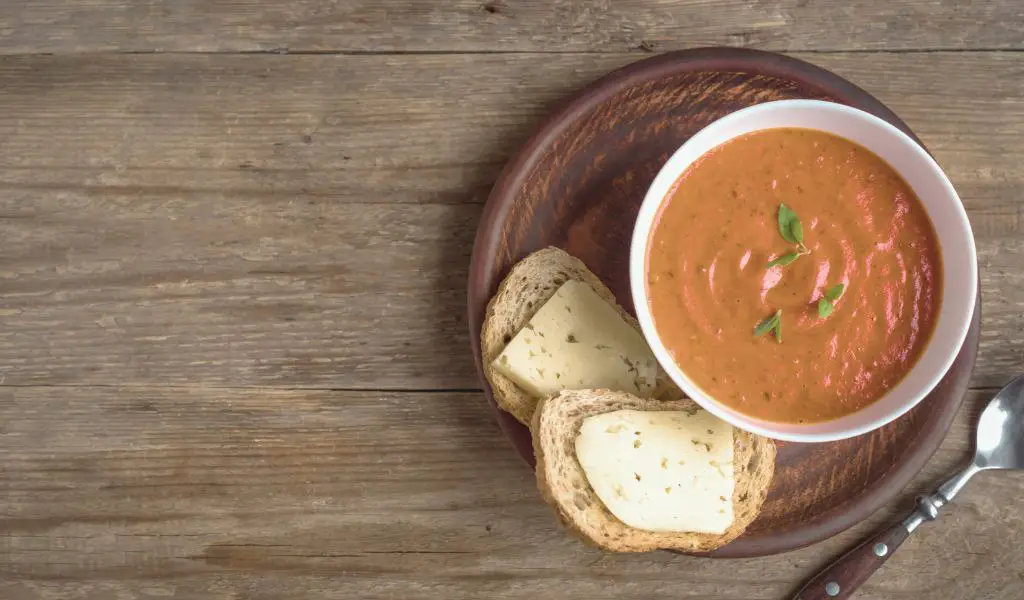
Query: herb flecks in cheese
(587, 344)
(675, 480)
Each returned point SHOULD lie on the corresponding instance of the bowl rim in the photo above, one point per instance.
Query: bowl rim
(675, 166)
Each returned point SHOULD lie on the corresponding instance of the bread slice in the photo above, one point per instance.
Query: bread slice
(531, 283)
(564, 485)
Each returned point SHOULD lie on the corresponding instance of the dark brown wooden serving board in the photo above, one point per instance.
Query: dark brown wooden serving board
(578, 184)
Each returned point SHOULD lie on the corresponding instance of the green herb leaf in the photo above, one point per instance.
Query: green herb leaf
(765, 326)
(834, 293)
(786, 220)
(785, 259)
(825, 307)
(797, 229)
(827, 302)
(772, 323)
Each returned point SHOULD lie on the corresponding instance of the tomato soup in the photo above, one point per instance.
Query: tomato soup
(790, 322)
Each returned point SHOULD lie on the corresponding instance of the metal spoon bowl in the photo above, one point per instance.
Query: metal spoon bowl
(999, 444)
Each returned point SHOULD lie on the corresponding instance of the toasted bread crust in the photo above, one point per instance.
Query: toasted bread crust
(563, 484)
(531, 283)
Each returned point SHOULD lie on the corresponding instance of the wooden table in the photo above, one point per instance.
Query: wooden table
(235, 239)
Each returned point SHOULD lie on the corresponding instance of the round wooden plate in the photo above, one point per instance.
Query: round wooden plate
(578, 184)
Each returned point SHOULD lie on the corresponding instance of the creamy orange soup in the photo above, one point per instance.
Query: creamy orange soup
(710, 284)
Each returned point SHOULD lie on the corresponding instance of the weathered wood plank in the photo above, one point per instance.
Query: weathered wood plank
(295, 294)
(504, 25)
(191, 492)
(407, 128)
(305, 221)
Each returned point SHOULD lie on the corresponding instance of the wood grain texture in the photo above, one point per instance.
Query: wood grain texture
(505, 25)
(179, 222)
(412, 128)
(306, 220)
(261, 494)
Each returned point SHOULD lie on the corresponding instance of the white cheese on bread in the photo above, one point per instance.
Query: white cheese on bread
(661, 470)
(576, 340)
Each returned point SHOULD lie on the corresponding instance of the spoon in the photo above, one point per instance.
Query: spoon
(999, 445)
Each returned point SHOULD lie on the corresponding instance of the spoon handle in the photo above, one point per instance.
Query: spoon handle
(842, 578)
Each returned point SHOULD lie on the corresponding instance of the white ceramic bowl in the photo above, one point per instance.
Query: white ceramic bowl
(959, 256)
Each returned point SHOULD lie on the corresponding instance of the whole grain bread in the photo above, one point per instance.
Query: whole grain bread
(563, 483)
(531, 283)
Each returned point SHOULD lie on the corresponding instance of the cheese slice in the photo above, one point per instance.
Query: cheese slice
(661, 470)
(578, 341)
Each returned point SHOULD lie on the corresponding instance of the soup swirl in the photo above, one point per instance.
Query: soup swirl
(868, 251)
